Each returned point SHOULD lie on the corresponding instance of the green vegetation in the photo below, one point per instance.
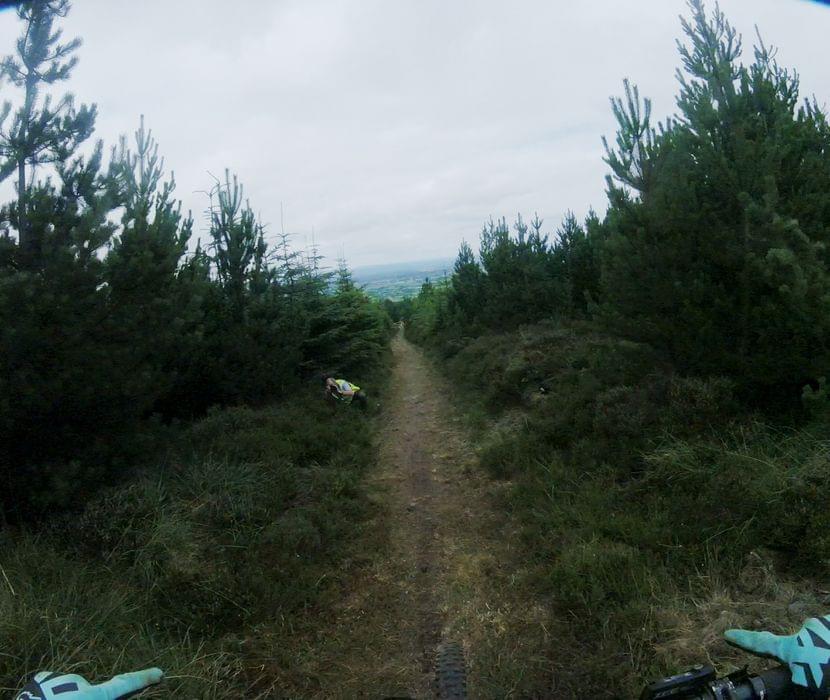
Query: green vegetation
(105, 325)
(174, 491)
(651, 382)
(655, 511)
(713, 248)
(208, 565)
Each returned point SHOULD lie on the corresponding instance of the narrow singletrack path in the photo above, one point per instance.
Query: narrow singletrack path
(434, 564)
(425, 460)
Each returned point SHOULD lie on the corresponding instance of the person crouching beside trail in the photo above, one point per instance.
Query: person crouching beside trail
(343, 391)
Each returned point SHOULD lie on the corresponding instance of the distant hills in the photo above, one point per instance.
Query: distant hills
(398, 280)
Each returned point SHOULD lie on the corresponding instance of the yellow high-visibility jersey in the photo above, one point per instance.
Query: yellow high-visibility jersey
(345, 385)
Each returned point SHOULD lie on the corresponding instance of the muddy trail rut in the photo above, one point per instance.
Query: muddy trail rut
(436, 564)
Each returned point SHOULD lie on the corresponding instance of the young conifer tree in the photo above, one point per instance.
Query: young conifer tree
(42, 131)
(239, 249)
(153, 308)
(467, 286)
(719, 256)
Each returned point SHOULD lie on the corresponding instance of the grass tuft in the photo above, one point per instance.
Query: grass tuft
(234, 536)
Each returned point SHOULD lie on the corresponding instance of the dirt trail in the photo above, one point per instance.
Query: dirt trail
(425, 461)
(432, 566)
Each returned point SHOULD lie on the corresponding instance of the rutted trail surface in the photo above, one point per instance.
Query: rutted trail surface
(434, 565)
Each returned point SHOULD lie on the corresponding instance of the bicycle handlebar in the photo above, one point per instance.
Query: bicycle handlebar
(701, 683)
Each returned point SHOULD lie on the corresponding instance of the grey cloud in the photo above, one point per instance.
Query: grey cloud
(394, 128)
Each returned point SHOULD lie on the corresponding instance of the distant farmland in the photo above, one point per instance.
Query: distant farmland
(398, 280)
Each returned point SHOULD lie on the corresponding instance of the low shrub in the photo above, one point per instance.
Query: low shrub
(642, 493)
(243, 524)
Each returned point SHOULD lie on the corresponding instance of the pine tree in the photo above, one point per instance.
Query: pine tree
(153, 307)
(239, 248)
(636, 157)
(723, 263)
(59, 374)
(467, 287)
(520, 280)
(347, 331)
(41, 132)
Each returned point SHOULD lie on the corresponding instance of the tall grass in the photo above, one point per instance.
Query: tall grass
(235, 536)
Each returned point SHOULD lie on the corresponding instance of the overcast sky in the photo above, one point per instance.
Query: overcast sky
(394, 128)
